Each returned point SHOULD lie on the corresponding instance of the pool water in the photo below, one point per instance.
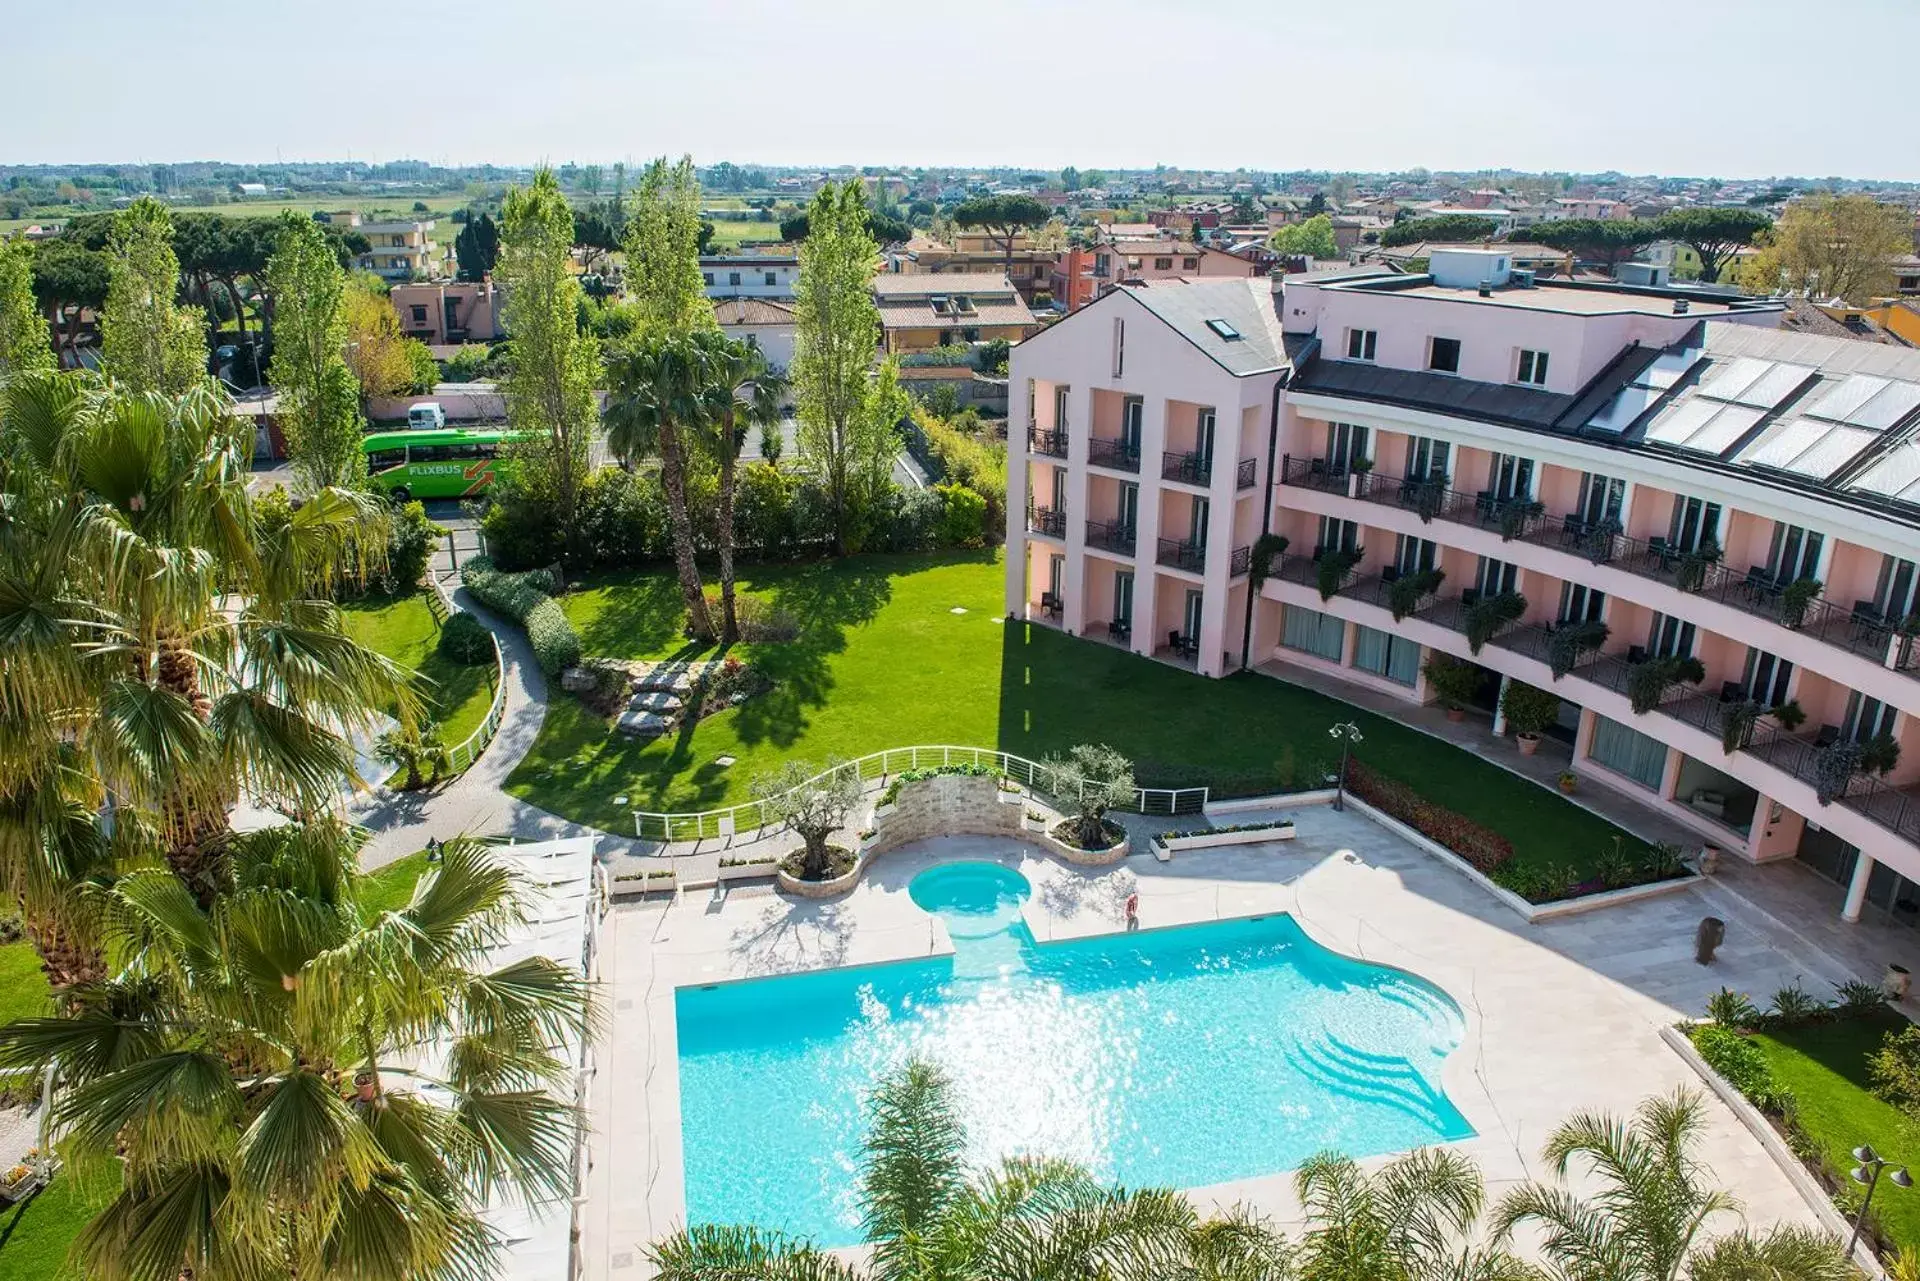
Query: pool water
(1173, 1057)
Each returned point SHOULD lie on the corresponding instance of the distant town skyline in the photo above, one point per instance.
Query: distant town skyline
(1709, 88)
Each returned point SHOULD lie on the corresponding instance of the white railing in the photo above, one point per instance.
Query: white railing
(461, 758)
(757, 817)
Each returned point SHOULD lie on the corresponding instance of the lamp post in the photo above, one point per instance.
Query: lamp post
(1348, 734)
(1868, 1173)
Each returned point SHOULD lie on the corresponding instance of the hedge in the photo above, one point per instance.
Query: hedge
(525, 598)
(1481, 846)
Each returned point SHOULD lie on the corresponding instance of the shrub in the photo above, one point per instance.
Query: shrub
(1794, 1004)
(464, 365)
(1407, 591)
(1453, 682)
(1894, 1069)
(465, 640)
(1571, 640)
(1647, 681)
(410, 541)
(1334, 566)
(423, 369)
(963, 521)
(1529, 710)
(1483, 619)
(525, 599)
(1743, 1064)
(1482, 847)
(1859, 998)
(622, 518)
(1732, 1009)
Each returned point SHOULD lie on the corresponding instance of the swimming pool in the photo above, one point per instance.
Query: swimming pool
(1172, 1057)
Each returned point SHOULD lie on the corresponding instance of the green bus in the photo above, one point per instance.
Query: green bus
(446, 462)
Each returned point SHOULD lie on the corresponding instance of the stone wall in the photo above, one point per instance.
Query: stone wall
(947, 805)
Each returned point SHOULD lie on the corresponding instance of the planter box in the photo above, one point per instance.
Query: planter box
(746, 872)
(1035, 824)
(881, 811)
(1209, 840)
(1087, 858)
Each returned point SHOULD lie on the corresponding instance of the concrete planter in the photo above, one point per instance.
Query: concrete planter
(746, 872)
(1087, 858)
(1211, 840)
(1040, 824)
(833, 888)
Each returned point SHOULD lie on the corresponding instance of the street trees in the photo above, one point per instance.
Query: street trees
(1712, 233)
(549, 383)
(848, 417)
(149, 342)
(1832, 246)
(1002, 217)
(23, 330)
(319, 404)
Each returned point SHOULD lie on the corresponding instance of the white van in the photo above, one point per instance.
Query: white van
(425, 417)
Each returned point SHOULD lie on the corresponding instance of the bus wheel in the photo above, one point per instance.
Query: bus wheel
(401, 494)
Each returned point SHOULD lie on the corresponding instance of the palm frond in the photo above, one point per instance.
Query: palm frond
(912, 1169)
(1789, 1252)
(717, 1253)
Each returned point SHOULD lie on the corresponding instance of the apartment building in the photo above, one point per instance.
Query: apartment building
(1578, 486)
(1147, 417)
(750, 275)
(918, 312)
(448, 312)
(1029, 268)
(400, 250)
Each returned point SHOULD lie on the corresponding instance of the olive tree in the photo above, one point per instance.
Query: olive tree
(814, 802)
(1088, 781)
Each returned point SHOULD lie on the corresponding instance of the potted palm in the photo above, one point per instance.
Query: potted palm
(1528, 710)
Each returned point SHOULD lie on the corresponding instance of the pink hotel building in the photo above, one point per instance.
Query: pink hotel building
(1590, 478)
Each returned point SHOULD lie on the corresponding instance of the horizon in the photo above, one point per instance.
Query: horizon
(1295, 90)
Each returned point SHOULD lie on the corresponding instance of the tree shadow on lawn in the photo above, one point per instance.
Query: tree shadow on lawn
(632, 617)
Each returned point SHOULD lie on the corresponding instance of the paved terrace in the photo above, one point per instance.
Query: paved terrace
(1560, 1016)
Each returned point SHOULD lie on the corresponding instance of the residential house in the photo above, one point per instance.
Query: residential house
(1602, 209)
(400, 249)
(765, 323)
(448, 312)
(750, 275)
(971, 251)
(919, 311)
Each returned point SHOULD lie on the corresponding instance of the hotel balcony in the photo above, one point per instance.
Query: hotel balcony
(1047, 521)
(1650, 571)
(1115, 454)
(1050, 444)
(1110, 536)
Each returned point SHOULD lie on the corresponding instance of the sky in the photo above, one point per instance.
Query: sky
(1721, 88)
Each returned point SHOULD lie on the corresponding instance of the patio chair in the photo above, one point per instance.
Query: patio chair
(1827, 737)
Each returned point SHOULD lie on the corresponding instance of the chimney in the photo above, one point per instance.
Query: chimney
(1679, 306)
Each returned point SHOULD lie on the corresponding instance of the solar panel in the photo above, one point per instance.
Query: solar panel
(1845, 396)
(1619, 412)
(1896, 475)
(1677, 424)
(1832, 451)
(1786, 442)
(1772, 387)
(1726, 382)
(1887, 407)
(1665, 372)
(1719, 433)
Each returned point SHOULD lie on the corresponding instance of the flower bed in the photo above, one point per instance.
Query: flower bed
(1234, 834)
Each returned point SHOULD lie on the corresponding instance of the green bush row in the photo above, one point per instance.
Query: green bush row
(525, 598)
(904, 777)
(1270, 825)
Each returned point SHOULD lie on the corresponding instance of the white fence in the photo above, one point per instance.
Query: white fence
(751, 818)
(462, 757)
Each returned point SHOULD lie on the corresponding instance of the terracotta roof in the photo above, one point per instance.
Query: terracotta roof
(910, 284)
(917, 313)
(752, 311)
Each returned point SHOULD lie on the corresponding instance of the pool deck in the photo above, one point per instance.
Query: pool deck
(1561, 1016)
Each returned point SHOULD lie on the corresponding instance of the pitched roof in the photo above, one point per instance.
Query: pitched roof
(752, 311)
(916, 284)
(1244, 303)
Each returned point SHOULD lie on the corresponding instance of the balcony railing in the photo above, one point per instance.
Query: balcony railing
(1052, 444)
(1110, 536)
(1182, 553)
(1240, 561)
(1859, 630)
(1189, 468)
(1047, 520)
(1117, 454)
(1243, 474)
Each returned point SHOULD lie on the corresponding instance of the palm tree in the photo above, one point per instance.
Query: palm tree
(265, 1070)
(1645, 1222)
(1030, 1218)
(412, 750)
(1414, 1219)
(180, 644)
(737, 391)
(652, 402)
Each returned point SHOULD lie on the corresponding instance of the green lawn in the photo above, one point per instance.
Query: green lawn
(35, 1237)
(389, 889)
(23, 987)
(884, 662)
(1825, 1065)
(403, 629)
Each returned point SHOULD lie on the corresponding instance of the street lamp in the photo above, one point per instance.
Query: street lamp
(1348, 734)
(1868, 1173)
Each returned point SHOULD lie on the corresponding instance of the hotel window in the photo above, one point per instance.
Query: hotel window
(1362, 343)
(1867, 718)
(1533, 368)
(1893, 596)
(1670, 637)
(769, 280)
(1795, 553)
(1443, 355)
(1133, 412)
(733, 278)
(1496, 576)
(706, 278)
(1426, 458)
(1060, 408)
(1695, 523)
(1346, 445)
(1581, 604)
(1601, 498)
(1628, 751)
(419, 314)
(1343, 535)
(1312, 632)
(1511, 476)
(1189, 264)
(1385, 654)
(1767, 678)
(1163, 264)
(1414, 555)
(1119, 346)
